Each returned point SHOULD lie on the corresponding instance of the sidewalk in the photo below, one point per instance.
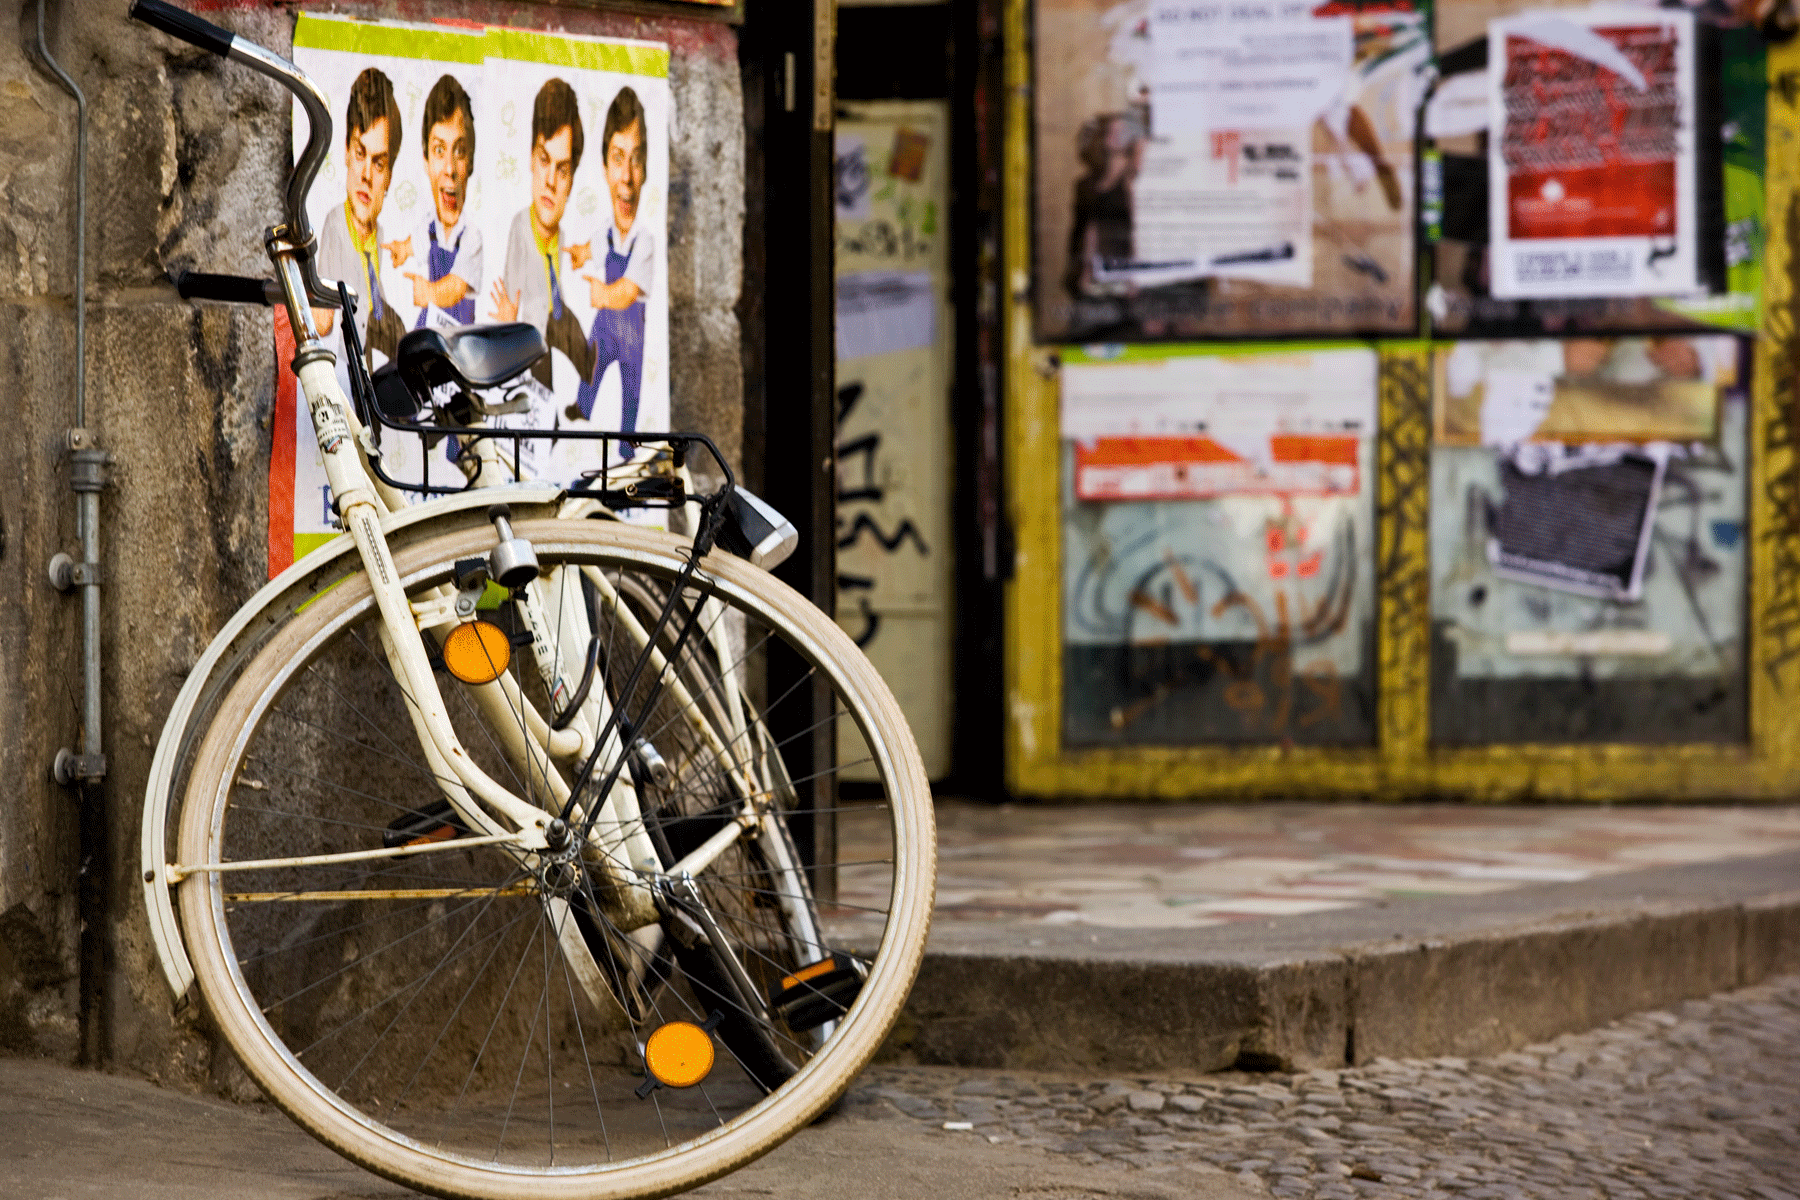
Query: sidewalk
(1304, 935)
(68, 1134)
(1092, 940)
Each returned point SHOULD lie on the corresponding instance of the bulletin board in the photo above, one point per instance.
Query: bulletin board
(1546, 499)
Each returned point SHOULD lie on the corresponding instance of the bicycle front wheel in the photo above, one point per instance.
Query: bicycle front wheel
(436, 1017)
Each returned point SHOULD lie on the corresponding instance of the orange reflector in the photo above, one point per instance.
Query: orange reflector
(679, 1054)
(805, 973)
(442, 833)
(477, 652)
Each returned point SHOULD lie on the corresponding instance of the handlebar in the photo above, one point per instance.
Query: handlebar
(228, 289)
(182, 24)
(197, 31)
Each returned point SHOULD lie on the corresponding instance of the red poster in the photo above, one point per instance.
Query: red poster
(1593, 166)
(1587, 153)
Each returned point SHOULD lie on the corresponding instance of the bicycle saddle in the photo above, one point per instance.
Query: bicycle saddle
(475, 356)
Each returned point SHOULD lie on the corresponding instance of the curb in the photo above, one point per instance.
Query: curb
(1463, 975)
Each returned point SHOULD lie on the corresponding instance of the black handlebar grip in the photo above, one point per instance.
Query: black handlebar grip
(232, 289)
(182, 24)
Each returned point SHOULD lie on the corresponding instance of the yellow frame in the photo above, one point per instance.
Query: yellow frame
(1403, 762)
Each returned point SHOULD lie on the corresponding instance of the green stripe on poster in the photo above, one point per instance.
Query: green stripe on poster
(389, 41)
(624, 58)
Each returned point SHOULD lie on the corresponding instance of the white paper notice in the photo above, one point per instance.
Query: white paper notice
(879, 312)
(1224, 205)
(1513, 405)
(1459, 106)
(1244, 65)
(1316, 391)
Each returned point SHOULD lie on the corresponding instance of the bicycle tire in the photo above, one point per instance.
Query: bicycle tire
(289, 992)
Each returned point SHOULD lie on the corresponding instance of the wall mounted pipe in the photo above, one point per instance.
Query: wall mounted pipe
(87, 474)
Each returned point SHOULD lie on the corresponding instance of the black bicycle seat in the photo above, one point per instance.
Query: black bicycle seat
(475, 356)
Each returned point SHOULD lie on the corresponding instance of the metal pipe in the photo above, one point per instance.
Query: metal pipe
(81, 133)
(87, 470)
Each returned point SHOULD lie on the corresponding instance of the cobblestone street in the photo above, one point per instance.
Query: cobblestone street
(1701, 1103)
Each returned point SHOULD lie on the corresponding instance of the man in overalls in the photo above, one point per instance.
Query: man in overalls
(445, 292)
(534, 242)
(629, 267)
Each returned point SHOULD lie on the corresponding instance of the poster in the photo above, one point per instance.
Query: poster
(1195, 428)
(1210, 170)
(1584, 430)
(1591, 161)
(1589, 553)
(486, 175)
(1218, 546)
(1729, 96)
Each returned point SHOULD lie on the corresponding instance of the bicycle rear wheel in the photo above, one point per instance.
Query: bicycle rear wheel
(427, 1015)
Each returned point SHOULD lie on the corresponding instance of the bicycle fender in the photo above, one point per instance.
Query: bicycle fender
(338, 556)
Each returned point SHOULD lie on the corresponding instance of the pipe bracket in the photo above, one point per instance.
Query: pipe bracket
(72, 768)
(87, 462)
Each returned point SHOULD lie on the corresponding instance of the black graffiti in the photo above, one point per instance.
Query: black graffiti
(866, 490)
(847, 396)
(1780, 617)
(889, 542)
(866, 446)
(871, 618)
(880, 239)
(1403, 574)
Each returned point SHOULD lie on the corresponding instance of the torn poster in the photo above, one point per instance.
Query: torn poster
(1270, 197)
(1583, 390)
(1190, 428)
(1218, 545)
(1594, 163)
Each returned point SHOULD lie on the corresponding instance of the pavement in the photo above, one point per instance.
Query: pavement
(1700, 1101)
(1224, 1002)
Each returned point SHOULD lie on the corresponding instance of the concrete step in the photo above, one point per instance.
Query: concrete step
(1459, 975)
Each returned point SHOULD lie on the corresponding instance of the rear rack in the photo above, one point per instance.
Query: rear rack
(655, 482)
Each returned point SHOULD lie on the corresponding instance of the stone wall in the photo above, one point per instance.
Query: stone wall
(187, 158)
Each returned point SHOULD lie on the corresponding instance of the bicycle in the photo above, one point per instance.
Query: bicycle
(498, 924)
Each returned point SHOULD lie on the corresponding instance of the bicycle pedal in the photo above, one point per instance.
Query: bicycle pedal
(817, 993)
(434, 823)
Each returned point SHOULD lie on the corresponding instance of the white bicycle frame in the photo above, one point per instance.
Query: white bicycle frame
(369, 510)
